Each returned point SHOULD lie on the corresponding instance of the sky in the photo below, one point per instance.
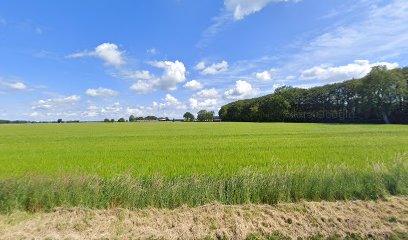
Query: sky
(96, 59)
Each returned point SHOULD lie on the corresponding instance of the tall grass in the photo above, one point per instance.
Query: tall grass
(335, 182)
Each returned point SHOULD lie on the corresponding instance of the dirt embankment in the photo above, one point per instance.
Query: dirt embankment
(378, 219)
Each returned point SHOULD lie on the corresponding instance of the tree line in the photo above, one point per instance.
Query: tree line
(379, 97)
(202, 116)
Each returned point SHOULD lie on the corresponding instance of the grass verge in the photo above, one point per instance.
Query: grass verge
(336, 182)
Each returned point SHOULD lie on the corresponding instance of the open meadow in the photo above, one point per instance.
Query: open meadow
(136, 165)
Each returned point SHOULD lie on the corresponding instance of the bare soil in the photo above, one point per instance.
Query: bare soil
(367, 219)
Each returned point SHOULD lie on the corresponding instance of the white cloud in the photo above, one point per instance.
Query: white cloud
(243, 8)
(242, 90)
(115, 108)
(173, 74)
(152, 51)
(13, 86)
(193, 85)
(215, 68)
(134, 111)
(34, 114)
(142, 87)
(207, 93)
(357, 69)
(138, 75)
(171, 101)
(382, 33)
(200, 66)
(101, 92)
(56, 102)
(265, 75)
(108, 52)
(208, 104)
(233, 11)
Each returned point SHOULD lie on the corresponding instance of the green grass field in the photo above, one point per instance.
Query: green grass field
(169, 164)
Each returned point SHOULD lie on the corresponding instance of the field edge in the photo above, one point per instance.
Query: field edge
(381, 219)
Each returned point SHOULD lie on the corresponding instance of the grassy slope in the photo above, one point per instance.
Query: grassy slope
(169, 164)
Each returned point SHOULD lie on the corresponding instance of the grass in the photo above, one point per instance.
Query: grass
(133, 165)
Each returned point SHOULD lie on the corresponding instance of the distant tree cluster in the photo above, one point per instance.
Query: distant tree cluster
(15, 122)
(132, 118)
(188, 117)
(205, 116)
(379, 97)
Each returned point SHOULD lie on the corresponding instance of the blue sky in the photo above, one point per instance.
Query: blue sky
(93, 59)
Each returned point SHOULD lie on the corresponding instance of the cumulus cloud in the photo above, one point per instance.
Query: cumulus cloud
(197, 104)
(207, 93)
(193, 85)
(112, 109)
(357, 69)
(56, 102)
(101, 92)
(173, 74)
(242, 90)
(265, 75)
(242, 8)
(142, 87)
(134, 111)
(108, 52)
(213, 69)
(169, 103)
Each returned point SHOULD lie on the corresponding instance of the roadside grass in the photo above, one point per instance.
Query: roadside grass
(34, 193)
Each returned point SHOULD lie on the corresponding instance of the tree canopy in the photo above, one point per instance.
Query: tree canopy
(379, 97)
(205, 116)
(188, 116)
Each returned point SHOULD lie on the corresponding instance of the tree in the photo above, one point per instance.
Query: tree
(112, 120)
(274, 108)
(132, 118)
(204, 116)
(381, 96)
(382, 89)
(121, 120)
(106, 120)
(59, 120)
(151, 118)
(188, 117)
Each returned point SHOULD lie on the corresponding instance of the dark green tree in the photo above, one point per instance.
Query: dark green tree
(381, 90)
(188, 117)
(205, 116)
